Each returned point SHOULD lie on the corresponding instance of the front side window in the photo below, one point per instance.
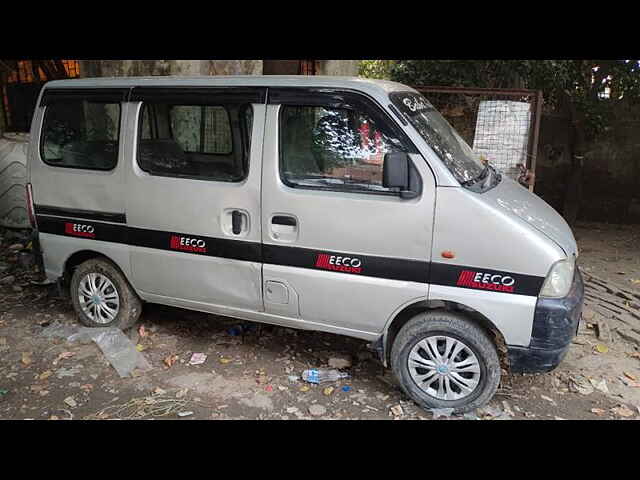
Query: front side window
(195, 141)
(333, 148)
(81, 134)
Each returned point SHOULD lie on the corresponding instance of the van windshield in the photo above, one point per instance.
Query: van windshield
(454, 152)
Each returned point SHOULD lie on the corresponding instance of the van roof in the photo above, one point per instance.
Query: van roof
(365, 84)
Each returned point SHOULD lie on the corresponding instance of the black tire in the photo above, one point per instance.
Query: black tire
(456, 326)
(130, 306)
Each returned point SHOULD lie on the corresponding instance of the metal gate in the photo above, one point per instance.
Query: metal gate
(501, 124)
(20, 85)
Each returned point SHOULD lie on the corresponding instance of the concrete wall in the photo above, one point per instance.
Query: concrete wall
(2, 125)
(136, 68)
(348, 68)
(611, 172)
(129, 68)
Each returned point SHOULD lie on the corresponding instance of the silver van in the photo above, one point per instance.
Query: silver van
(335, 204)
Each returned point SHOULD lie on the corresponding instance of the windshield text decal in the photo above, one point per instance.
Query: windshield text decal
(415, 104)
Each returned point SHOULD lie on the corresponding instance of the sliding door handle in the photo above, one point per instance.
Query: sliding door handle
(236, 222)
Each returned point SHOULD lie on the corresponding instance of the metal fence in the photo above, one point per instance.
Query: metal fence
(503, 125)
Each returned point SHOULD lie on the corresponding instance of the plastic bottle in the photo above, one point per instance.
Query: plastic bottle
(316, 375)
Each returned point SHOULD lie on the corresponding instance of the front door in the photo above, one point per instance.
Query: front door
(194, 195)
(339, 249)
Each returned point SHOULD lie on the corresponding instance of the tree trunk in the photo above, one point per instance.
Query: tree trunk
(577, 150)
(573, 196)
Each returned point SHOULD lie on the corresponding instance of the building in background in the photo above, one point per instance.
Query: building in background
(21, 80)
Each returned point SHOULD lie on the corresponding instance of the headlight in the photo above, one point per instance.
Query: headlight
(559, 280)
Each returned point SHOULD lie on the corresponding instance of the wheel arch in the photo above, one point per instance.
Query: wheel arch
(384, 343)
(130, 305)
(82, 256)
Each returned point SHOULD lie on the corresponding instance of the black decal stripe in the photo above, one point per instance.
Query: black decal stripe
(103, 231)
(370, 266)
(447, 275)
(381, 267)
(140, 237)
(215, 247)
(81, 214)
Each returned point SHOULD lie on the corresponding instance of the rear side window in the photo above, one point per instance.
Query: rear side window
(208, 142)
(81, 134)
(333, 149)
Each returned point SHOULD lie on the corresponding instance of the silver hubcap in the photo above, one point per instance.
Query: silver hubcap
(444, 368)
(98, 297)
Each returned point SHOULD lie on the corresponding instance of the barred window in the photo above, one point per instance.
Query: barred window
(195, 141)
(202, 129)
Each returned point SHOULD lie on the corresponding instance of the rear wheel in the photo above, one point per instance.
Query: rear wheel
(102, 297)
(443, 360)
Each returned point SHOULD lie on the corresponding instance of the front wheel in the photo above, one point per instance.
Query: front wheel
(443, 360)
(102, 297)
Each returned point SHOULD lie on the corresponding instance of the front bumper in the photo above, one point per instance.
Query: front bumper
(555, 324)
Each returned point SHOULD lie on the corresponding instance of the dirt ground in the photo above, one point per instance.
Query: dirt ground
(250, 370)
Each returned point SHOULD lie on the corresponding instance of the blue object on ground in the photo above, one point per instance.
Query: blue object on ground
(240, 329)
(235, 331)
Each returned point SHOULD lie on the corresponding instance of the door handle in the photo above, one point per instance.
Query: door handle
(284, 228)
(283, 220)
(236, 222)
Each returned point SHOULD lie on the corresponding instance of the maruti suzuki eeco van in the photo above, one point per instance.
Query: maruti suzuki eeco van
(334, 204)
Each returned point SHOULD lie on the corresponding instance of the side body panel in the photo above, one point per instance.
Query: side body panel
(167, 210)
(58, 249)
(500, 261)
(518, 201)
(389, 236)
(75, 191)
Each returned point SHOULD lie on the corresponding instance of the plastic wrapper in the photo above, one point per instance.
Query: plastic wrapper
(114, 344)
(56, 329)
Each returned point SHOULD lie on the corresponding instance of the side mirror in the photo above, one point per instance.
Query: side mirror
(396, 173)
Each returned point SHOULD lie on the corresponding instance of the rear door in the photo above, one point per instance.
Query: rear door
(194, 194)
(339, 249)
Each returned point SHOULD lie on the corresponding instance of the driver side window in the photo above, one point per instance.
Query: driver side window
(333, 149)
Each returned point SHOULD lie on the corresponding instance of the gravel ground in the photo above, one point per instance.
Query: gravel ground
(250, 370)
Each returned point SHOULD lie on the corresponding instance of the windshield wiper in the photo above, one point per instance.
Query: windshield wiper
(480, 176)
(496, 174)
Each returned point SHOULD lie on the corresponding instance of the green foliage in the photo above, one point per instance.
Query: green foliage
(458, 73)
(574, 87)
(379, 69)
